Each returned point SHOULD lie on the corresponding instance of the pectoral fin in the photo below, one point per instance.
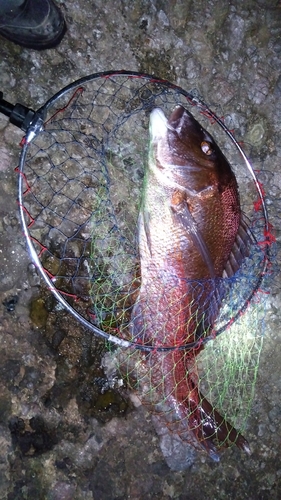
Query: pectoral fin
(183, 216)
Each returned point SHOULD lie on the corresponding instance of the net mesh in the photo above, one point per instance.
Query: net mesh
(83, 178)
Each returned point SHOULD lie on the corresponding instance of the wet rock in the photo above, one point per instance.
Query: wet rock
(39, 439)
(178, 454)
(10, 303)
(38, 313)
(11, 270)
(52, 387)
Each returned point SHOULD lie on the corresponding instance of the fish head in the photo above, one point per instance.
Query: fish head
(183, 151)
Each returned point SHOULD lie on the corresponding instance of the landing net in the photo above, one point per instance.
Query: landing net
(80, 184)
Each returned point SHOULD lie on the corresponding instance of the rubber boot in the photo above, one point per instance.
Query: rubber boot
(36, 24)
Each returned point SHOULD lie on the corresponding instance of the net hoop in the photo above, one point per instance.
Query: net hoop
(37, 126)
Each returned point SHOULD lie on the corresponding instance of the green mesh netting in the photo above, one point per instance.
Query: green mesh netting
(181, 385)
(83, 178)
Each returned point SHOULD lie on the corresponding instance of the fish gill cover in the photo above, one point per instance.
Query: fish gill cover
(82, 184)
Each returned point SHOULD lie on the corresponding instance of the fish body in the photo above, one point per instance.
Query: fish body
(189, 234)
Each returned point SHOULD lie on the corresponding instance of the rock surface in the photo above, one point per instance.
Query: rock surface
(65, 434)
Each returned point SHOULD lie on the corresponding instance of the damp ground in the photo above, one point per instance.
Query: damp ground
(67, 432)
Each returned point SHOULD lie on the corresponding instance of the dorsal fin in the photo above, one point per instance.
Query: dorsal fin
(240, 249)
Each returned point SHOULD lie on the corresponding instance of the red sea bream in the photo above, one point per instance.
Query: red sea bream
(190, 234)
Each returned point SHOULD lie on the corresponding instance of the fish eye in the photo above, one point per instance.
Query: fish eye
(207, 148)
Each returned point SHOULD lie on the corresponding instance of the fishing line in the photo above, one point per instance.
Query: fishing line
(80, 180)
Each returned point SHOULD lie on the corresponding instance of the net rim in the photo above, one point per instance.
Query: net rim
(37, 126)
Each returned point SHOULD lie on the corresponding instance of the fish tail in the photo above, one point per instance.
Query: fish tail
(217, 430)
(211, 430)
(195, 414)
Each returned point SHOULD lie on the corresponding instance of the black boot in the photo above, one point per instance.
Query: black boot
(36, 24)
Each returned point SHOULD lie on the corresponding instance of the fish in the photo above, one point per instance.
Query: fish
(190, 235)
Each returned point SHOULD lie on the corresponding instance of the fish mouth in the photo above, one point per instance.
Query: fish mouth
(178, 117)
(159, 124)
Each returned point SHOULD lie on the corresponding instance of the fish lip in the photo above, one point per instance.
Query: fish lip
(158, 124)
